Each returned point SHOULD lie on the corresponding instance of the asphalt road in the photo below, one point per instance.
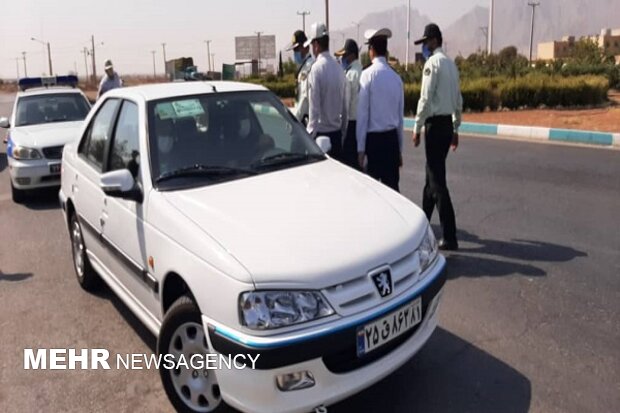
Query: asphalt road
(529, 322)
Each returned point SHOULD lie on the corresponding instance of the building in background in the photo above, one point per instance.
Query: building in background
(608, 41)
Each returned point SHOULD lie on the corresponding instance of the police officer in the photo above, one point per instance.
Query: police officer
(304, 61)
(380, 113)
(439, 111)
(349, 58)
(326, 83)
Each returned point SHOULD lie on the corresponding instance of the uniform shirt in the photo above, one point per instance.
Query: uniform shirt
(441, 92)
(108, 84)
(326, 95)
(352, 89)
(301, 103)
(381, 104)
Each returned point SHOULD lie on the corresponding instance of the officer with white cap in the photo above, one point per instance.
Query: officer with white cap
(304, 60)
(439, 112)
(110, 81)
(380, 113)
(326, 84)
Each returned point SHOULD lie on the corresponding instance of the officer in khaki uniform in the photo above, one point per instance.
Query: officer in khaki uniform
(304, 60)
(439, 112)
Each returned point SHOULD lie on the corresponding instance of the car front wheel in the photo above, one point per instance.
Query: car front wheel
(87, 277)
(182, 334)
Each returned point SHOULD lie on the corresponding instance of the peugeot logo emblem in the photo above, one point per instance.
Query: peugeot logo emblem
(383, 281)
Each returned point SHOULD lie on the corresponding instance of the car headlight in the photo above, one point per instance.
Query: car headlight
(266, 310)
(22, 153)
(427, 249)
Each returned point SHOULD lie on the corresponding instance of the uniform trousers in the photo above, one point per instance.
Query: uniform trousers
(383, 152)
(439, 133)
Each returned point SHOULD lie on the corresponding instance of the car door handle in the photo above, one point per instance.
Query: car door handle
(102, 222)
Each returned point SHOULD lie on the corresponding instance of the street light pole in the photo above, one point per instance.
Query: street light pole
(303, 15)
(25, 69)
(408, 34)
(92, 53)
(208, 43)
(85, 53)
(258, 34)
(49, 53)
(533, 5)
(327, 14)
(154, 67)
(213, 60)
(357, 39)
(17, 67)
(163, 46)
(490, 35)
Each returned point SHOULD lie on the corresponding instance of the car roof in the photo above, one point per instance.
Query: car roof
(167, 90)
(48, 91)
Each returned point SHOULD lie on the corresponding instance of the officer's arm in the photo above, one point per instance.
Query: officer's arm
(401, 117)
(363, 113)
(429, 84)
(314, 99)
(456, 117)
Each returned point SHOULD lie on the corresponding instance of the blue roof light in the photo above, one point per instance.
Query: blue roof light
(32, 82)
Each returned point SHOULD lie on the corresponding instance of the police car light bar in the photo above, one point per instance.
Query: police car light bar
(32, 82)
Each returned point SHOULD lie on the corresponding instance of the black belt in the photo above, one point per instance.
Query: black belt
(439, 118)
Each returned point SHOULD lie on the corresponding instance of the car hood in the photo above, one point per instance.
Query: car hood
(313, 226)
(50, 134)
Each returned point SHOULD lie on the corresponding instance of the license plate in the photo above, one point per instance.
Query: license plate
(55, 169)
(374, 335)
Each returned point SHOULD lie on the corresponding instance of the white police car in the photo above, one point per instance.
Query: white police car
(47, 114)
(207, 208)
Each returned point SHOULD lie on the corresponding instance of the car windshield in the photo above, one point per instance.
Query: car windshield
(206, 139)
(50, 108)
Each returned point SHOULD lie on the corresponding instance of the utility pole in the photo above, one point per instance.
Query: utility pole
(533, 5)
(208, 43)
(258, 48)
(485, 33)
(25, 69)
(17, 67)
(327, 14)
(213, 61)
(154, 67)
(85, 53)
(92, 53)
(408, 34)
(490, 29)
(303, 15)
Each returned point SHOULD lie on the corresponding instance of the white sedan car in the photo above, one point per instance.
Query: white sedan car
(43, 121)
(226, 229)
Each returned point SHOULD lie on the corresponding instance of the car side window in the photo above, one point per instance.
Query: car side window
(125, 150)
(99, 133)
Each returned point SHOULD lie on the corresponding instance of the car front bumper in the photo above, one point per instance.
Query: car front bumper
(331, 356)
(33, 174)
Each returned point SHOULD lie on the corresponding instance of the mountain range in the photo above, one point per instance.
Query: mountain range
(512, 23)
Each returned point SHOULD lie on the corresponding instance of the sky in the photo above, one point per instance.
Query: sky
(131, 29)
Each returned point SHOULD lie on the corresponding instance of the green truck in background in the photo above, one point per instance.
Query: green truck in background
(183, 69)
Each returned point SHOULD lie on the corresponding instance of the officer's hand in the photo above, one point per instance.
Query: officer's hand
(455, 141)
(361, 157)
(416, 139)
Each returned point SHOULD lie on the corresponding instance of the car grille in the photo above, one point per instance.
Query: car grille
(360, 293)
(53, 152)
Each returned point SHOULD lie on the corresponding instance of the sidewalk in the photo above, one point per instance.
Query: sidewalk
(536, 133)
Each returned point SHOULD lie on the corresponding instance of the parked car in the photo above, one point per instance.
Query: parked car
(47, 114)
(226, 229)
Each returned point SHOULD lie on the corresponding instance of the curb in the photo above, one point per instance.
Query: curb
(536, 133)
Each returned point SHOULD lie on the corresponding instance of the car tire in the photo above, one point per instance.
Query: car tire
(87, 277)
(182, 332)
(18, 195)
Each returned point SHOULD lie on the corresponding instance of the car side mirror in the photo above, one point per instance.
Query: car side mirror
(4, 123)
(324, 143)
(121, 184)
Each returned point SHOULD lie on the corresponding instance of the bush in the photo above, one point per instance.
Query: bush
(536, 90)
(480, 94)
(282, 89)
